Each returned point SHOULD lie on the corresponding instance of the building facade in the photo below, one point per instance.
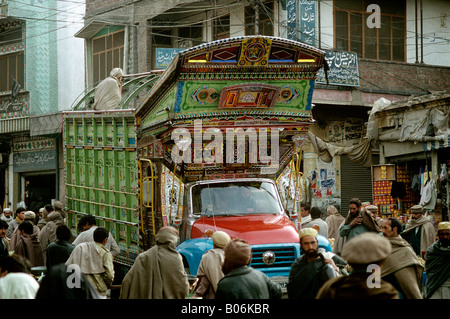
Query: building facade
(40, 77)
(375, 49)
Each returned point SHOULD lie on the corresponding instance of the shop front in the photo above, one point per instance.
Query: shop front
(35, 170)
(413, 139)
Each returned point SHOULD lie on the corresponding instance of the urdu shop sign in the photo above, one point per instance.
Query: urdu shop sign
(343, 69)
(34, 155)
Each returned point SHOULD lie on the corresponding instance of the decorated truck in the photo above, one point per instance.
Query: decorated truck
(215, 144)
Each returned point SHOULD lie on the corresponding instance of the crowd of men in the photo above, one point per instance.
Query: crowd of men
(372, 257)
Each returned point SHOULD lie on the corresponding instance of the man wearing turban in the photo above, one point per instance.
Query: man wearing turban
(210, 269)
(312, 269)
(437, 265)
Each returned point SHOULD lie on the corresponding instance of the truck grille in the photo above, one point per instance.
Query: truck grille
(281, 257)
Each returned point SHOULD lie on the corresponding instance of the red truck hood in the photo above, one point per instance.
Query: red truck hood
(255, 229)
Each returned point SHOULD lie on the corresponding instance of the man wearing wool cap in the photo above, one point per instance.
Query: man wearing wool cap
(210, 269)
(242, 281)
(365, 253)
(419, 231)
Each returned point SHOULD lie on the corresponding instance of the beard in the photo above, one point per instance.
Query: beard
(445, 242)
(312, 253)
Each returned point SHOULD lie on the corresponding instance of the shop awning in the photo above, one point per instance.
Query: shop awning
(434, 145)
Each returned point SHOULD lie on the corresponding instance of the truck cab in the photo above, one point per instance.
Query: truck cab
(247, 208)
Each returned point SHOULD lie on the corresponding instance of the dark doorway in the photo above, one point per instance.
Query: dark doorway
(39, 191)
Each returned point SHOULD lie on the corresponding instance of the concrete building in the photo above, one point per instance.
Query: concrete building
(40, 77)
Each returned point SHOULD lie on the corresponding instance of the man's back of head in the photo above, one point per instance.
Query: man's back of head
(316, 213)
(87, 220)
(63, 233)
(27, 227)
(100, 234)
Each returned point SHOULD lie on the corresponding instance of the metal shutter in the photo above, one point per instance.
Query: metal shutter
(356, 181)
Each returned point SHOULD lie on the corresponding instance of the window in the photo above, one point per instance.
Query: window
(353, 34)
(107, 54)
(11, 66)
(192, 33)
(162, 36)
(222, 27)
(264, 13)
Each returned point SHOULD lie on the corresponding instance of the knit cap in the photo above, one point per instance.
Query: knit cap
(238, 252)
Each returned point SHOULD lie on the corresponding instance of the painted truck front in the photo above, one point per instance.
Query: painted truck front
(217, 205)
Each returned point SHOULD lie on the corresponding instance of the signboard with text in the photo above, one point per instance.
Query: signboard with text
(164, 56)
(343, 69)
(34, 161)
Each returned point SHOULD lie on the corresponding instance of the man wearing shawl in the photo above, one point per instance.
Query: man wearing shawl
(334, 220)
(403, 269)
(419, 231)
(210, 269)
(157, 273)
(95, 261)
(309, 272)
(357, 222)
(48, 232)
(368, 249)
(437, 265)
(29, 216)
(109, 92)
(28, 245)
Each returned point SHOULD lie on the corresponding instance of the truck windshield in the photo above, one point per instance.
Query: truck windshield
(235, 199)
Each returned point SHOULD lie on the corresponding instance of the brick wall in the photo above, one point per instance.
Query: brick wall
(402, 78)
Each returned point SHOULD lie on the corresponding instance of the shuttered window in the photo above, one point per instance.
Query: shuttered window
(107, 54)
(356, 181)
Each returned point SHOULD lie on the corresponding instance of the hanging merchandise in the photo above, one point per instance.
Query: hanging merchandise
(443, 176)
(429, 195)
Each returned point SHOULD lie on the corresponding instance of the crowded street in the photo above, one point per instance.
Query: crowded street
(231, 156)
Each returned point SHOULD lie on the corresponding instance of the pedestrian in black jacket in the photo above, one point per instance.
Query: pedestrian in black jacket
(59, 251)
